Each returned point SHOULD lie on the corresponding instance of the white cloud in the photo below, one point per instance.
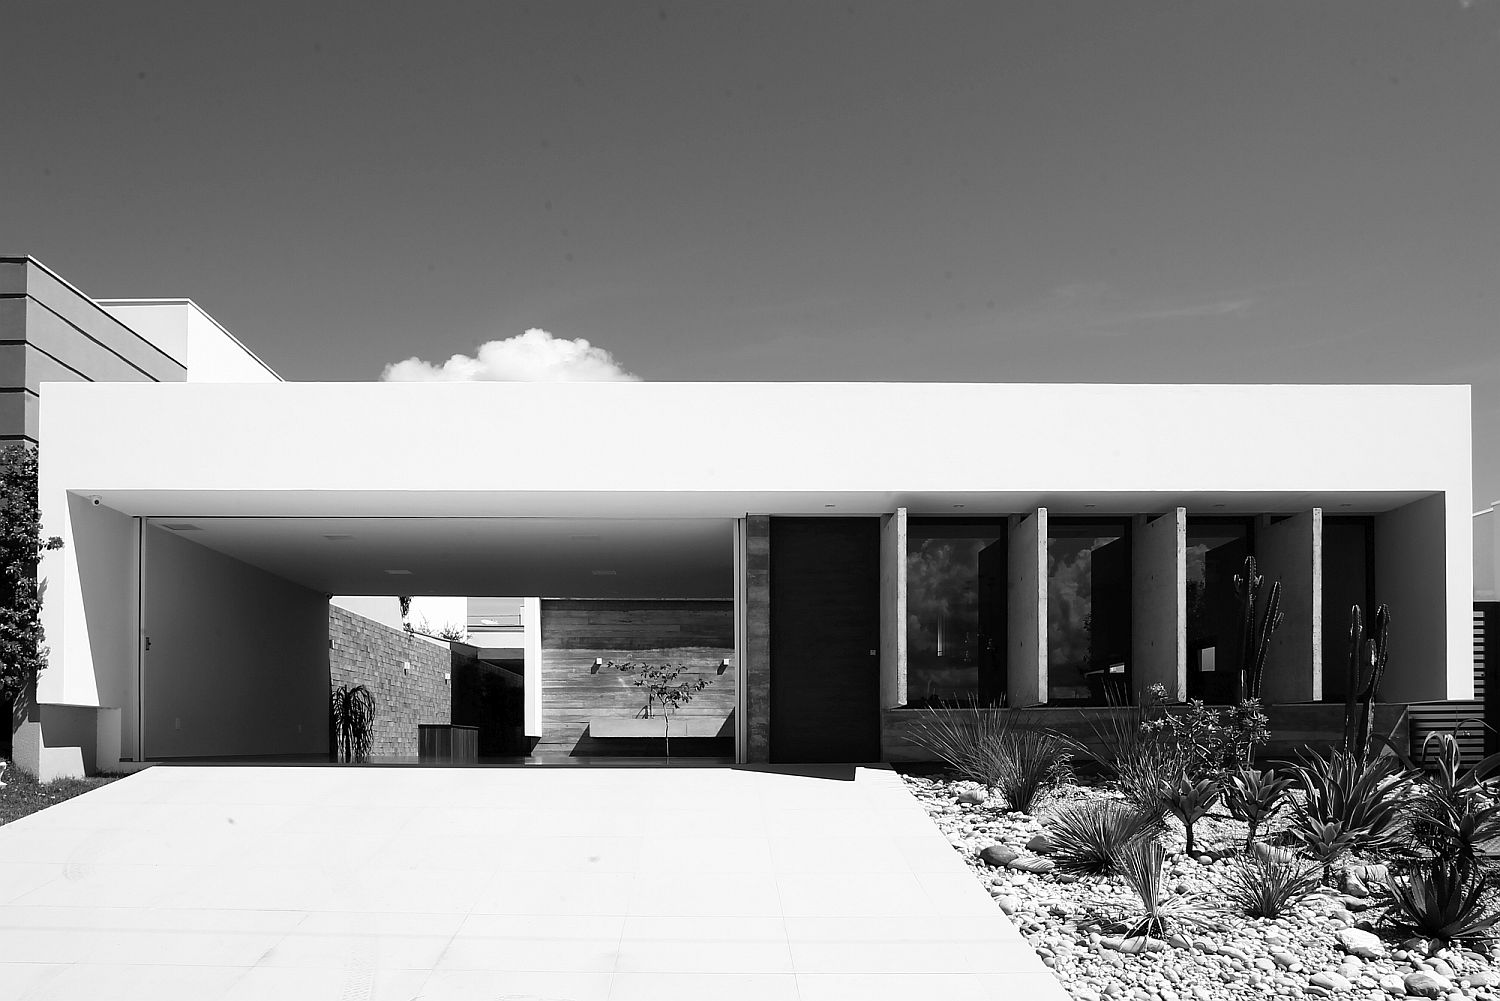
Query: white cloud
(535, 356)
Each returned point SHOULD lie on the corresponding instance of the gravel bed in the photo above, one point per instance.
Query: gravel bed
(1334, 944)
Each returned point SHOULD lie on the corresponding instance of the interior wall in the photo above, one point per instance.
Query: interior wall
(237, 661)
(1290, 551)
(104, 619)
(1410, 576)
(574, 633)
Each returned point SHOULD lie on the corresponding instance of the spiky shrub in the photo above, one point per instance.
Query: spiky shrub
(1254, 797)
(1327, 842)
(1443, 899)
(1007, 751)
(1189, 801)
(1029, 762)
(963, 738)
(1363, 799)
(351, 719)
(1265, 888)
(1141, 867)
(1089, 838)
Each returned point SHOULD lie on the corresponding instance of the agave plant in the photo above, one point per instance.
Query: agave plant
(1443, 899)
(351, 718)
(1364, 800)
(1327, 842)
(1264, 887)
(1091, 837)
(1189, 801)
(1141, 866)
(1254, 797)
(1457, 831)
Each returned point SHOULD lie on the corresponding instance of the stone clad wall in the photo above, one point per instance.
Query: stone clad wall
(362, 651)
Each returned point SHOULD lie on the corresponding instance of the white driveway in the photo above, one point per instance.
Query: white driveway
(585, 884)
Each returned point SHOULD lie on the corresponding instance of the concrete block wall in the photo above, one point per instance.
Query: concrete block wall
(362, 651)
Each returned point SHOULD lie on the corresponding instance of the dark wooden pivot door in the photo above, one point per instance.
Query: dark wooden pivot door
(825, 639)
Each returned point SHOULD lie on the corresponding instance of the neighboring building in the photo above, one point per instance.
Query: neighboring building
(825, 556)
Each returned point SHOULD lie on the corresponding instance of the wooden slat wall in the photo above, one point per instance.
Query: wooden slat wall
(1444, 717)
(699, 634)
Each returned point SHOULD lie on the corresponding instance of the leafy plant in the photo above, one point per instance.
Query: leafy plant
(1258, 625)
(1363, 799)
(1141, 866)
(663, 690)
(1190, 800)
(1265, 888)
(1443, 899)
(351, 721)
(22, 655)
(1254, 797)
(1007, 751)
(1091, 837)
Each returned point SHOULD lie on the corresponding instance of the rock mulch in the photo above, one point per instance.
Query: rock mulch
(1327, 946)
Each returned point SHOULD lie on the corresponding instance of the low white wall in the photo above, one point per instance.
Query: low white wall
(238, 658)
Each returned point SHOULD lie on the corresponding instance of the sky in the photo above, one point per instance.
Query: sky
(1049, 191)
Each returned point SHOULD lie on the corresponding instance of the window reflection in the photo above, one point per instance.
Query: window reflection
(1216, 551)
(955, 605)
(1088, 611)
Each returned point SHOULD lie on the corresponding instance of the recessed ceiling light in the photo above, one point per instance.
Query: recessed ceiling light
(958, 507)
(180, 526)
(338, 538)
(1218, 505)
(830, 505)
(1089, 506)
(1346, 505)
(400, 573)
(602, 573)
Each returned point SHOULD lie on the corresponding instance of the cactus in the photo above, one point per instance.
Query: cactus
(1256, 636)
(1367, 660)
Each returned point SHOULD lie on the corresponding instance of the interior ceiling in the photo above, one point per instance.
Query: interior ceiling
(548, 557)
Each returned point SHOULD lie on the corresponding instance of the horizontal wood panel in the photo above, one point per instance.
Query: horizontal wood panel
(696, 634)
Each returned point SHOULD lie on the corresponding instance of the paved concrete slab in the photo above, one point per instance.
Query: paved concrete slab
(609, 884)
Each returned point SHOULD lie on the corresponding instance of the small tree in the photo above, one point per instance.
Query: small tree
(663, 691)
(22, 655)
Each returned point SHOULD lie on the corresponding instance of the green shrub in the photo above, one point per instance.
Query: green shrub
(1091, 837)
(1443, 899)
(1190, 800)
(1141, 866)
(1254, 797)
(1363, 800)
(1265, 888)
(1007, 751)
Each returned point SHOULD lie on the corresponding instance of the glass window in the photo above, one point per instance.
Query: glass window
(1347, 580)
(1088, 611)
(955, 608)
(1216, 551)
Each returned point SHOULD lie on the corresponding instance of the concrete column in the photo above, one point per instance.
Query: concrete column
(1158, 604)
(1026, 601)
(1291, 551)
(757, 653)
(1411, 576)
(531, 666)
(893, 609)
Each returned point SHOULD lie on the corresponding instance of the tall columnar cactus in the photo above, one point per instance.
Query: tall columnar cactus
(1257, 630)
(1367, 659)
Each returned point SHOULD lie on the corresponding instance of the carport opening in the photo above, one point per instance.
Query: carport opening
(526, 642)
